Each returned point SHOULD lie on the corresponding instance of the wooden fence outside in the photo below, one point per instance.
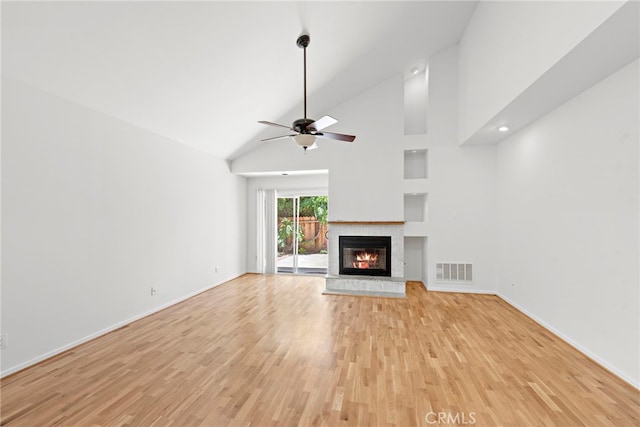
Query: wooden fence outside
(314, 232)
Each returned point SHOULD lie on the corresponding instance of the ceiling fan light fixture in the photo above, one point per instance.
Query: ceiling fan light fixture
(305, 140)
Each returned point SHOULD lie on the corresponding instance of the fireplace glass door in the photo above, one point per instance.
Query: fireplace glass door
(365, 255)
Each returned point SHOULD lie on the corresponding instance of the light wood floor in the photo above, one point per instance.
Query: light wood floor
(271, 350)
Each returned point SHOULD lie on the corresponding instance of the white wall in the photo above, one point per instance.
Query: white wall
(442, 117)
(95, 212)
(462, 214)
(568, 197)
(461, 187)
(508, 45)
(316, 183)
(365, 178)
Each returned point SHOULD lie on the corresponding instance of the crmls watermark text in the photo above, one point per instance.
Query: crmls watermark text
(450, 418)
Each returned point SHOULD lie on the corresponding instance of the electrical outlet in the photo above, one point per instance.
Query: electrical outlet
(154, 290)
(216, 270)
(3, 340)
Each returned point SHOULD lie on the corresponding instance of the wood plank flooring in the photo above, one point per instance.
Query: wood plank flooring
(271, 350)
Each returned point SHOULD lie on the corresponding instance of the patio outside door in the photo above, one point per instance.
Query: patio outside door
(301, 233)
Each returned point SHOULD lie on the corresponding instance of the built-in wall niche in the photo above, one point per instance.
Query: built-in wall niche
(415, 207)
(415, 164)
(416, 96)
(415, 256)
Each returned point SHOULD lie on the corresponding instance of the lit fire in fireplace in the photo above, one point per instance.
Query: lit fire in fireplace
(366, 260)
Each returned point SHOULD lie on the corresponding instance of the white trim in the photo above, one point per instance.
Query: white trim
(102, 332)
(302, 192)
(634, 382)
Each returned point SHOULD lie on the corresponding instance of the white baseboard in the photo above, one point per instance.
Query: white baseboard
(635, 382)
(104, 331)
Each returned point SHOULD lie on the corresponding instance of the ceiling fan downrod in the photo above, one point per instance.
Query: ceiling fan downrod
(302, 42)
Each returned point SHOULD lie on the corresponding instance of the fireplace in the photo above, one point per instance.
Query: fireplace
(382, 276)
(365, 255)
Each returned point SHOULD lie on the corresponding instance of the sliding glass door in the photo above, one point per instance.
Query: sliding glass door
(302, 234)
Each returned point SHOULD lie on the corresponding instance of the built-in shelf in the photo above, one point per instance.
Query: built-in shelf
(416, 229)
(415, 207)
(415, 164)
(410, 186)
(415, 254)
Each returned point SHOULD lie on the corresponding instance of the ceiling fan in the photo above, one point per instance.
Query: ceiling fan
(308, 130)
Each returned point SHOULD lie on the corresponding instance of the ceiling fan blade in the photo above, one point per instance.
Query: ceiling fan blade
(273, 124)
(322, 123)
(338, 136)
(278, 137)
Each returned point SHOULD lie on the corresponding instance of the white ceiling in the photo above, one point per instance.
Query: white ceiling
(204, 73)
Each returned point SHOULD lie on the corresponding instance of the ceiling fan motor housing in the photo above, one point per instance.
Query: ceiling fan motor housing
(300, 125)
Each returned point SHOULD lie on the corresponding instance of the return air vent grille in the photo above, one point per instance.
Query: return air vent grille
(454, 272)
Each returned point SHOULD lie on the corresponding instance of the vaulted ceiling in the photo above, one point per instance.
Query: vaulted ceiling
(204, 73)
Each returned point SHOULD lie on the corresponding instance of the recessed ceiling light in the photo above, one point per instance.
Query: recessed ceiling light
(503, 128)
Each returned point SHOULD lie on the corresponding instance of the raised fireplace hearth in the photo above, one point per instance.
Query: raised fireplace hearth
(365, 255)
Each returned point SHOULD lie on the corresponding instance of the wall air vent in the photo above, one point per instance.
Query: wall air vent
(454, 272)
